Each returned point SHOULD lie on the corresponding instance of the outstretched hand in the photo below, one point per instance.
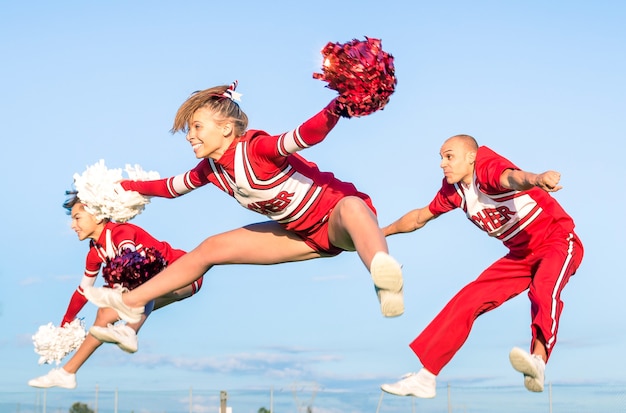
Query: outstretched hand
(549, 181)
(119, 186)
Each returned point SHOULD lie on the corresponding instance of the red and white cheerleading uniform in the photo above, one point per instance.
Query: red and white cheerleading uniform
(544, 252)
(265, 174)
(115, 238)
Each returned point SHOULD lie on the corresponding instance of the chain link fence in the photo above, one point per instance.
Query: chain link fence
(608, 398)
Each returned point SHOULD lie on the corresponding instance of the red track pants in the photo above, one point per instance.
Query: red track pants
(544, 272)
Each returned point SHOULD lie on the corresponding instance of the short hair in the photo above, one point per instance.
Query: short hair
(72, 199)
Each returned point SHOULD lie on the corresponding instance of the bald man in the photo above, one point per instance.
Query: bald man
(515, 207)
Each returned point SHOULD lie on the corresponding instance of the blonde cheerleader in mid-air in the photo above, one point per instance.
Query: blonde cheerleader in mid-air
(311, 214)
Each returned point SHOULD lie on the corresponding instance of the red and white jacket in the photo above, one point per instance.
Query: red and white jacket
(115, 238)
(265, 174)
(522, 220)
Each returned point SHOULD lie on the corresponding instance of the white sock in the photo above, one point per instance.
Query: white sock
(426, 374)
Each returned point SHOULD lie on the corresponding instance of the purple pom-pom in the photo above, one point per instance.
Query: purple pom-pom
(131, 268)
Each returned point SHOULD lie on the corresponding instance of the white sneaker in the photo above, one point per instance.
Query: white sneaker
(120, 334)
(531, 366)
(55, 378)
(112, 297)
(422, 384)
(387, 276)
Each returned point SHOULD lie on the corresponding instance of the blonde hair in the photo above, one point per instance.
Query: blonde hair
(223, 107)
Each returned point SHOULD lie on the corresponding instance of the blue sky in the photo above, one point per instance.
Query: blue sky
(540, 82)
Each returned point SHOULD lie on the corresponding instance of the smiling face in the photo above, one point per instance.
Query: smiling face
(209, 137)
(85, 224)
(457, 159)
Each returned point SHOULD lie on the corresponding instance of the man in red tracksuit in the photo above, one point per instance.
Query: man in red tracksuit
(515, 207)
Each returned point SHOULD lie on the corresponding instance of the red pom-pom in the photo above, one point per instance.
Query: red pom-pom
(361, 72)
(131, 268)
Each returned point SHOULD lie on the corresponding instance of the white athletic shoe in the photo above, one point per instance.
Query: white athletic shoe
(422, 384)
(120, 334)
(55, 378)
(531, 366)
(112, 297)
(387, 276)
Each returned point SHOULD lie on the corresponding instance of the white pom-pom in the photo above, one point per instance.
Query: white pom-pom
(99, 189)
(53, 343)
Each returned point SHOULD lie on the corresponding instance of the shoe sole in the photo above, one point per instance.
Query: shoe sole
(51, 386)
(533, 384)
(387, 389)
(391, 304)
(387, 277)
(127, 349)
(33, 383)
(522, 363)
(386, 274)
(109, 339)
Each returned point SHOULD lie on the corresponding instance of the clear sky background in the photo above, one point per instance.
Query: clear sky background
(542, 83)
